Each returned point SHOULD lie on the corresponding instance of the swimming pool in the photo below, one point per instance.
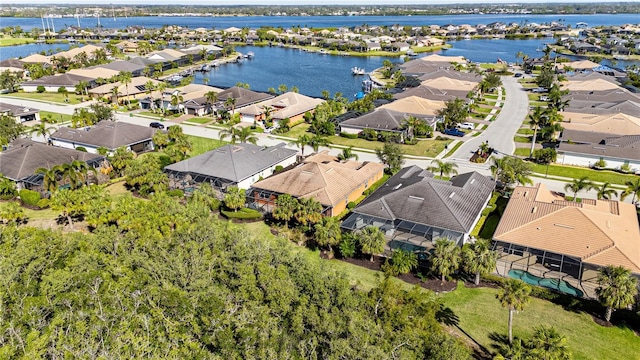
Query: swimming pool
(554, 284)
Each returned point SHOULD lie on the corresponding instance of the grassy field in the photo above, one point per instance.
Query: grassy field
(525, 131)
(481, 315)
(429, 148)
(522, 139)
(202, 145)
(522, 151)
(200, 120)
(297, 131)
(7, 40)
(55, 116)
(49, 97)
(578, 172)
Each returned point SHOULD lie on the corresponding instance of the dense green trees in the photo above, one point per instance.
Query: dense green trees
(392, 156)
(454, 112)
(617, 288)
(160, 279)
(9, 129)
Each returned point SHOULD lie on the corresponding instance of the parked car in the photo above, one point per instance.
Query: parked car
(269, 129)
(539, 90)
(454, 132)
(156, 125)
(543, 98)
(467, 125)
(518, 75)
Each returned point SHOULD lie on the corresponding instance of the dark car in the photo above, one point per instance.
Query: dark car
(156, 125)
(454, 132)
(518, 75)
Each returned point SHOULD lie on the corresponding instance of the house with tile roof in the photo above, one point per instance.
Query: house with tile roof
(239, 165)
(414, 208)
(382, 120)
(322, 177)
(136, 89)
(53, 82)
(585, 148)
(415, 105)
(107, 134)
(23, 157)
(613, 124)
(243, 97)
(542, 233)
(289, 105)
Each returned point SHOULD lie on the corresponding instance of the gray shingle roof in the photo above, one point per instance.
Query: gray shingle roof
(600, 144)
(243, 96)
(17, 110)
(24, 157)
(234, 162)
(414, 195)
(109, 134)
(59, 80)
(382, 119)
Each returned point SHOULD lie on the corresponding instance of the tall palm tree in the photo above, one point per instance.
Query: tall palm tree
(41, 129)
(443, 167)
(445, 258)
(617, 288)
(242, 134)
(285, 207)
(211, 98)
(230, 102)
(318, 140)
(605, 191)
(577, 185)
(161, 87)
(176, 100)
(125, 78)
(327, 232)
(548, 344)
(371, 241)
(514, 294)
(81, 88)
(633, 188)
(536, 119)
(479, 259)
(309, 211)
(347, 153)
(302, 141)
(115, 93)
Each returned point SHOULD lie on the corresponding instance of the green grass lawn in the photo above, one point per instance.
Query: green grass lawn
(525, 131)
(55, 116)
(578, 172)
(480, 315)
(7, 40)
(202, 145)
(428, 148)
(49, 97)
(522, 139)
(455, 147)
(149, 113)
(522, 152)
(296, 131)
(200, 120)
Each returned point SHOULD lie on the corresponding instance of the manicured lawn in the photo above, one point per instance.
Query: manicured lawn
(8, 40)
(200, 120)
(522, 151)
(522, 139)
(296, 131)
(480, 315)
(149, 113)
(428, 148)
(55, 116)
(525, 131)
(202, 145)
(489, 227)
(49, 96)
(455, 147)
(578, 172)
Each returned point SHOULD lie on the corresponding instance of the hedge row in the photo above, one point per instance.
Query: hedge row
(242, 214)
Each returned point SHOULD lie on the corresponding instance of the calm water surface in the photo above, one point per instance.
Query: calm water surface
(21, 51)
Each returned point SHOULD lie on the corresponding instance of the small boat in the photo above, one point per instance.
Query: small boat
(250, 55)
(323, 52)
(205, 68)
(214, 63)
(357, 71)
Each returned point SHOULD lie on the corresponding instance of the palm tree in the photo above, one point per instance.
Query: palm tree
(285, 207)
(617, 288)
(309, 211)
(115, 93)
(605, 191)
(514, 295)
(239, 134)
(63, 90)
(41, 129)
(444, 168)
(403, 261)
(50, 177)
(347, 153)
(125, 78)
(318, 140)
(161, 87)
(211, 98)
(230, 102)
(578, 185)
(176, 100)
(479, 259)
(234, 198)
(157, 69)
(371, 241)
(536, 119)
(445, 258)
(81, 88)
(633, 188)
(149, 88)
(327, 232)
(302, 141)
(548, 344)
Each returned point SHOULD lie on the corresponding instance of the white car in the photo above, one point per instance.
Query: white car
(269, 129)
(467, 125)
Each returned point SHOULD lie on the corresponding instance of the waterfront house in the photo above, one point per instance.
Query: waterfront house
(586, 148)
(289, 105)
(382, 120)
(243, 97)
(106, 134)
(239, 165)
(94, 73)
(414, 208)
(53, 82)
(23, 157)
(542, 233)
(433, 93)
(321, 177)
(590, 85)
(136, 89)
(20, 113)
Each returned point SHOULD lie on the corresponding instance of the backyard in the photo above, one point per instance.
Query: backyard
(49, 97)
(202, 145)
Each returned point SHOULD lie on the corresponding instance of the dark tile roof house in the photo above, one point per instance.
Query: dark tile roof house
(23, 157)
(413, 201)
(432, 93)
(452, 74)
(126, 66)
(379, 120)
(66, 80)
(625, 147)
(108, 134)
(12, 63)
(600, 108)
(614, 95)
(234, 164)
(20, 113)
(243, 96)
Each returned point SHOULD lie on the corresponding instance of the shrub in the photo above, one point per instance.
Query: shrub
(278, 169)
(376, 185)
(30, 197)
(349, 136)
(351, 205)
(175, 193)
(81, 148)
(43, 203)
(242, 214)
(40, 89)
(347, 247)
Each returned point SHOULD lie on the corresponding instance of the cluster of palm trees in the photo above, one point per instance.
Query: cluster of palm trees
(304, 211)
(239, 135)
(604, 191)
(75, 173)
(318, 140)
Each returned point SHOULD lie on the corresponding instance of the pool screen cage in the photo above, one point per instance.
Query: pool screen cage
(526, 258)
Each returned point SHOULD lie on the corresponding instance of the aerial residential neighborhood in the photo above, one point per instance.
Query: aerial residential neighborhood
(416, 203)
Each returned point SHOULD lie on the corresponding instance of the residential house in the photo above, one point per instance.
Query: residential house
(613, 124)
(127, 46)
(433, 93)
(321, 177)
(420, 107)
(243, 97)
(20, 113)
(106, 134)
(239, 165)
(582, 148)
(23, 157)
(382, 120)
(414, 209)
(13, 65)
(289, 105)
(136, 89)
(542, 233)
(53, 82)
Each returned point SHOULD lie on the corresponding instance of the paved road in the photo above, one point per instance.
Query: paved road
(463, 164)
(500, 132)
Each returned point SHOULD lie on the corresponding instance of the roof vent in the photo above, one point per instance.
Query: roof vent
(397, 186)
(472, 181)
(416, 198)
(307, 172)
(535, 208)
(564, 226)
(452, 194)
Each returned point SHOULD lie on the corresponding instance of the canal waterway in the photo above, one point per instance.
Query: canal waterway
(222, 22)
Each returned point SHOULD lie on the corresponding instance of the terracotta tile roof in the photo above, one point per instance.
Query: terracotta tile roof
(322, 178)
(599, 232)
(598, 84)
(614, 124)
(450, 84)
(415, 105)
(287, 105)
